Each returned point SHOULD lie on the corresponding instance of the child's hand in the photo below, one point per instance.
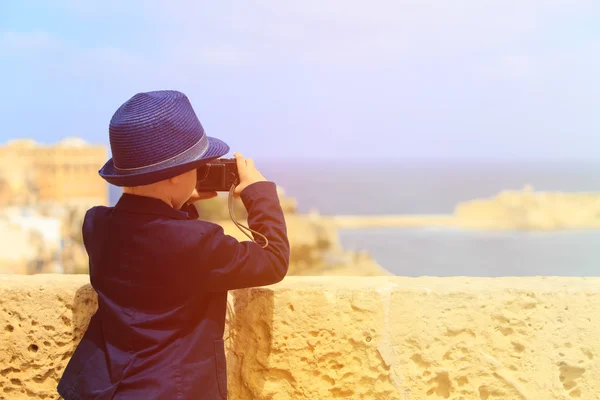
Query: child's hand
(196, 196)
(247, 172)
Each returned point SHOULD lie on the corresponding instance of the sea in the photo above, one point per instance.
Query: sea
(426, 187)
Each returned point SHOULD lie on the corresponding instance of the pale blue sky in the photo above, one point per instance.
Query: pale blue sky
(461, 79)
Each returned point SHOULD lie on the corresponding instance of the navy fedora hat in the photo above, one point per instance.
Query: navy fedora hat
(155, 136)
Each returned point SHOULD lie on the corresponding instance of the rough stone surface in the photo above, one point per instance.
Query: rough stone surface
(351, 337)
(422, 338)
(42, 318)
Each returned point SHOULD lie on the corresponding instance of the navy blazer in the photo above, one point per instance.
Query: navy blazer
(162, 278)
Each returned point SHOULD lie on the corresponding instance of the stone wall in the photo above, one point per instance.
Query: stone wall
(350, 337)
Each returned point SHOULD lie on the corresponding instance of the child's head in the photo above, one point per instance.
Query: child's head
(157, 143)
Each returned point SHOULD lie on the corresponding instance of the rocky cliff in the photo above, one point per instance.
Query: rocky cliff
(530, 210)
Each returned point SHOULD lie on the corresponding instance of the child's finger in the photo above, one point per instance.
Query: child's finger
(241, 164)
(249, 163)
(237, 192)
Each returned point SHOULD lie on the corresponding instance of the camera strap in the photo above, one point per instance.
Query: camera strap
(240, 226)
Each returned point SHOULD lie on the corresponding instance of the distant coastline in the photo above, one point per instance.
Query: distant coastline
(443, 221)
(524, 210)
(392, 221)
(520, 210)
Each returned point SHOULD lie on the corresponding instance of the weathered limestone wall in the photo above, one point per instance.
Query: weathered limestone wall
(350, 337)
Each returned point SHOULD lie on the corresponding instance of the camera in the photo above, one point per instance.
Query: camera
(217, 176)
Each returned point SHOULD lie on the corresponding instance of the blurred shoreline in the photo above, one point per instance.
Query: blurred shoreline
(392, 221)
(524, 210)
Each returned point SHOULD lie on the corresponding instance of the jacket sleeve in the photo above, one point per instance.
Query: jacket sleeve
(232, 264)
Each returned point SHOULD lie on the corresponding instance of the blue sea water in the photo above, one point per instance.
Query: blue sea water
(367, 188)
(447, 252)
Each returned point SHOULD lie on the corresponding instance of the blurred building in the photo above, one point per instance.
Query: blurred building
(29, 242)
(58, 175)
(44, 193)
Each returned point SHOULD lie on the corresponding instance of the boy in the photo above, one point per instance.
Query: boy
(161, 274)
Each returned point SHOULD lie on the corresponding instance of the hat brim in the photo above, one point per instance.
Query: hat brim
(188, 162)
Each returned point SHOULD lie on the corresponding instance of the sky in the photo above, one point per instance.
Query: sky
(316, 79)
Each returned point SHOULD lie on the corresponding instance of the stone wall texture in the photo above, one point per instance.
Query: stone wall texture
(349, 337)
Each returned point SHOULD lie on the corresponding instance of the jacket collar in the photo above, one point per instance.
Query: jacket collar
(148, 205)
